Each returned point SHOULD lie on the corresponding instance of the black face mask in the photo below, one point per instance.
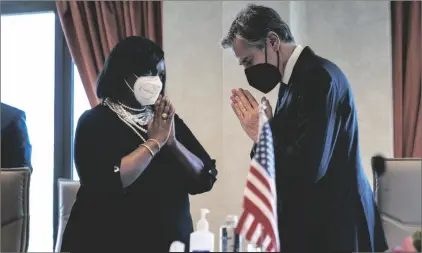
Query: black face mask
(264, 76)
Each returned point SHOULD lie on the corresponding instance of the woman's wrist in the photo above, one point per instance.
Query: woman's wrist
(156, 144)
(150, 146)
(149, 149)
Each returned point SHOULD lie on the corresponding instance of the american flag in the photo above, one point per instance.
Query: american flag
(258, 223)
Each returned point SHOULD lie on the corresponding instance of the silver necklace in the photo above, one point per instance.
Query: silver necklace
(141, 118)
(132, 109)
(129, 119)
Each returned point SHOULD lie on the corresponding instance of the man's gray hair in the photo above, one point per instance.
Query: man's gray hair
(252, 25)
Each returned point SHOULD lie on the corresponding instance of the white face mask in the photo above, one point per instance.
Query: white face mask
(146, 89)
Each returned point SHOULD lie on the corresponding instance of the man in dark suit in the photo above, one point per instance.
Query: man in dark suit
(325, 202)
(15, 145)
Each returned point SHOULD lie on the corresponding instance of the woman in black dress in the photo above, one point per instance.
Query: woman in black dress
(137, 160)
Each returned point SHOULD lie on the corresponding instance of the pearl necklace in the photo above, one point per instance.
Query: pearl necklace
(131, 108)
(141, 118)
(128, 118)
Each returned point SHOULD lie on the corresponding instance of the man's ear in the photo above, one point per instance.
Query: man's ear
(274, 41)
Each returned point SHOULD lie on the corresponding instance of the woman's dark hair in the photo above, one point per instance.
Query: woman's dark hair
(132, 55)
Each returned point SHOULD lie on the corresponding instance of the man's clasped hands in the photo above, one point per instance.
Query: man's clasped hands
(246, 109)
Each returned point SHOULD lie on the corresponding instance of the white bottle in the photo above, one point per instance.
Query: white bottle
(252, 248)
(202, 240)
(177, 246)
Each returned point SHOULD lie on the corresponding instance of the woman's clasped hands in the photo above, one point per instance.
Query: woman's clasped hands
(161, 127)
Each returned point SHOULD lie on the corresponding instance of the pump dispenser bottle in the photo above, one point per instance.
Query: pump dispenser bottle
(202, 240)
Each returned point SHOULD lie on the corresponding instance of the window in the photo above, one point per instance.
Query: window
(37, 78)
(80, 105)
(28, 83)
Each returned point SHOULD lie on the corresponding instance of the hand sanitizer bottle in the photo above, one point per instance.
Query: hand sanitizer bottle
(202, 240)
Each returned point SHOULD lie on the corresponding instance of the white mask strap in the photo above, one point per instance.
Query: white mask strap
(129, 85)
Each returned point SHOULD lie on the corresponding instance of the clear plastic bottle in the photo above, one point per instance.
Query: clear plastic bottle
(229, 240)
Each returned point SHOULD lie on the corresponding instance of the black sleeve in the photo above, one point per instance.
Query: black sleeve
(306, 159)
(209, 172)
(21, 150)
(97, 158)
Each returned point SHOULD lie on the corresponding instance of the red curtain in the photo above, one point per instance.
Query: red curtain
(93, 28)
(407, 77)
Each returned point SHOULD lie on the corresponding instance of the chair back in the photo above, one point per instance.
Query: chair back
(67, 196)
(399, 198)
(15, 209)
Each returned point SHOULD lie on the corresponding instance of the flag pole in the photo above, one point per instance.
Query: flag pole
(262, 115)
(262, 121)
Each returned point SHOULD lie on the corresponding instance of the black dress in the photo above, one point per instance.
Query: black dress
(148, 215)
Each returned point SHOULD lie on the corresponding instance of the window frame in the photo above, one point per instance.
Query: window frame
(63, 97)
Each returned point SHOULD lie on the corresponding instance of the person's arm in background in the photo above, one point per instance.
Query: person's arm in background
(20, 148)
(196, 162)
(407, 246)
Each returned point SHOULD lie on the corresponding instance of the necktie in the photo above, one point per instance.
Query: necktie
(282, 95)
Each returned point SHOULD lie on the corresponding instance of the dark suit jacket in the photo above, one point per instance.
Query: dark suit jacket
(15, 145)
(325, 203)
